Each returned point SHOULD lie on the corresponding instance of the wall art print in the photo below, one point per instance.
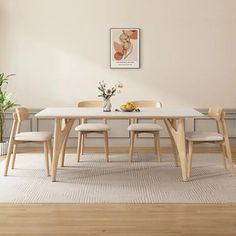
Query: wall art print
(125, 48)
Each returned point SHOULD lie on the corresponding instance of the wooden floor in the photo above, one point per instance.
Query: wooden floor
(119, 219)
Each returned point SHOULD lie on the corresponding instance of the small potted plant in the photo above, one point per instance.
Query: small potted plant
(5, 104)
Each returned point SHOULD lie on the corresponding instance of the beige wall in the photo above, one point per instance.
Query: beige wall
(59, 50)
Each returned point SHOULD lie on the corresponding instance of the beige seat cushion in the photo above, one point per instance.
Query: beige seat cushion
(33, 136)
(203, 136)
(144, 127)
(92, 127)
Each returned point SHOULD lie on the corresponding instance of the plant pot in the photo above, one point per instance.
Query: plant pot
(3, 148)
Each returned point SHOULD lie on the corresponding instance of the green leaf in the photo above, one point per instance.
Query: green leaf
(5, 100)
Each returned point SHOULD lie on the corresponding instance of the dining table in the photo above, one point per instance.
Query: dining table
(64, 118)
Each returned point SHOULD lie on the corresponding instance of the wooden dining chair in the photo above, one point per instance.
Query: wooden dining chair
(85, 128)
(220, 137)
(17, 137)
(152, 128)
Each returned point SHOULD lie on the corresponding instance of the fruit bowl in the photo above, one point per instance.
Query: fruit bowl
(127, 110)
(128, 107)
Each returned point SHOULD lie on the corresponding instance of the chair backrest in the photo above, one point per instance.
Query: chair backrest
(216, 113)
(90, 103)
(22, 113)
(147, 103)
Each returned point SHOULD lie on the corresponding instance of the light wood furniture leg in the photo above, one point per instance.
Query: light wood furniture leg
(63, 149)
(10, 145)
(45, 145)
(62, 154)
(49, 157)
(157, 146)
(106, 145)
(229, 157)
(131, 150)
(189, 155)
(79, 145)
(13, 156)
(224, 155)
(82, 144)
(175, 157)
(227, 147)
(178, 135)
(50, 150)
(59, 136)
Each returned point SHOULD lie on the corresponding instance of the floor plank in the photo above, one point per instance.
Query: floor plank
(118, 219)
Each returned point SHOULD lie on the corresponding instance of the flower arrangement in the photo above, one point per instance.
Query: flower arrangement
(107, 92)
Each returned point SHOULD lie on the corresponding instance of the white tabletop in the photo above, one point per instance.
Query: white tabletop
(74, 112)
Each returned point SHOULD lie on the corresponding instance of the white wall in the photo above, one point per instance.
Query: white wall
(59, 50)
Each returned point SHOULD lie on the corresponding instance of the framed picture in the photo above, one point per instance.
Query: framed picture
(125, 48)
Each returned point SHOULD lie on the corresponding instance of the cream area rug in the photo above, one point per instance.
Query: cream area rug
(95, 181)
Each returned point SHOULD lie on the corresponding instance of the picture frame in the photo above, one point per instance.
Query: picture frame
(124, 48)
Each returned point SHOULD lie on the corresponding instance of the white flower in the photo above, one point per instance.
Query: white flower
(108, 91)
(120, 85)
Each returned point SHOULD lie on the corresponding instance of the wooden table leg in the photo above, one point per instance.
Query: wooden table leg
(176, 157)
(178, 135)
(63, 148)
(61, 131)
(62, 153)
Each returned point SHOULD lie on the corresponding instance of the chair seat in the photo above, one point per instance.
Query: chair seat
(92, 127)
(33, 136)
(144, 127)
(203, 136)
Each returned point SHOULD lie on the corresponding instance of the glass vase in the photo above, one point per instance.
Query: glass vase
(107, 105)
